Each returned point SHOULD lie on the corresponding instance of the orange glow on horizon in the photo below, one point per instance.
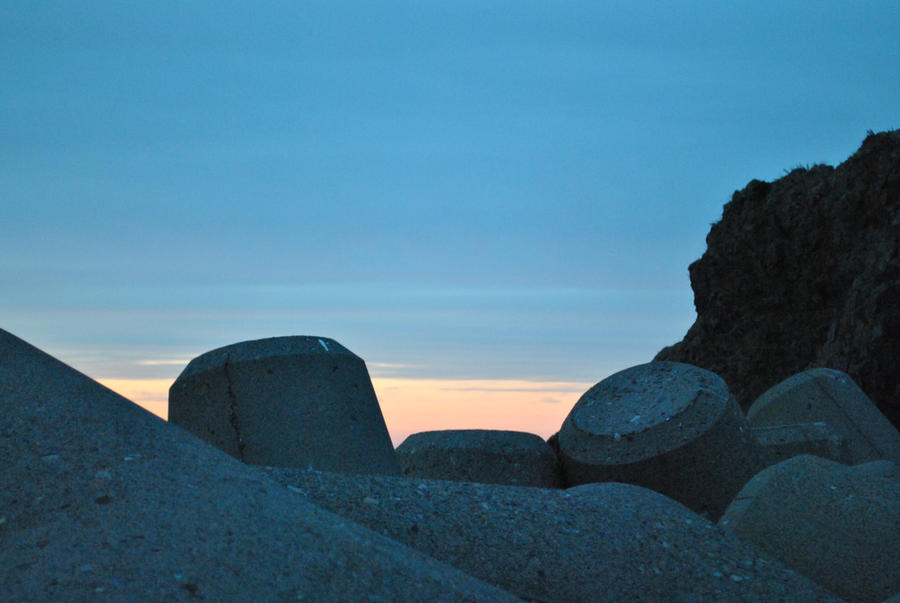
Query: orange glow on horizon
(413, 405)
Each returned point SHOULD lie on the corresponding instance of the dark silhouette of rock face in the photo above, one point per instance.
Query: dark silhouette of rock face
(805, 272)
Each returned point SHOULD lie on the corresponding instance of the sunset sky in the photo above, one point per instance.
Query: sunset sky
(493, 203)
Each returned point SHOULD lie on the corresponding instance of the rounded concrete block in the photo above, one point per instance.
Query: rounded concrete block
(286, 401)
(671, 427)
(512, 458)
(837, 525)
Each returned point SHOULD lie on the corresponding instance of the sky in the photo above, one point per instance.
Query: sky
(493, 203)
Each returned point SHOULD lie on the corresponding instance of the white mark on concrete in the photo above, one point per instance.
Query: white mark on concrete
(323, 344)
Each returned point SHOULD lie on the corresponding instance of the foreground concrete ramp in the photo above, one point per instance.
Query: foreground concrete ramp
(287, 402)
(671, 427)
(99, 498)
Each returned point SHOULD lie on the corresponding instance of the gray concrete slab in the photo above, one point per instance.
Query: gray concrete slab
(838, 525)
(671, 427)
(784, 441)
(830, 396)
(885, 469)
(99, 499)
(488, 456)
(291, 401)
(598, 542)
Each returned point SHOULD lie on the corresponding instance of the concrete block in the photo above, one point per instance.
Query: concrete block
(785, 441)
(479, 455)
(286, 401)
(99, 499)
(671, 427)
(885, 469)
(830, 396)
(837, 525)
(597, 542)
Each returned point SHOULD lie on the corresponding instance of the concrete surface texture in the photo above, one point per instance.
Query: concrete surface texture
(878, 469)
(480, 455)
(101, 499)
(784, 441)
(289, 401)
(830, 396)
(667, 426)
(598, 542)
(835, 524)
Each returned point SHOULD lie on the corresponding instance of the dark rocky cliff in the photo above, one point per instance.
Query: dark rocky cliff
(805, 272)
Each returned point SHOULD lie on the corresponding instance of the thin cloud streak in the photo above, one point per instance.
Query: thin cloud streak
(411, 331)
(162, 362)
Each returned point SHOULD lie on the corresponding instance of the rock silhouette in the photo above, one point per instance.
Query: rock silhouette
(804, 272)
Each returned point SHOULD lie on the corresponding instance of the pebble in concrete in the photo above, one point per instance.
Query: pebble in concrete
(830, 396)
(286, 401)
(835, 524)
(101, 499)
(785, 441)
(480, 455)
(597, 542)
(671, 427)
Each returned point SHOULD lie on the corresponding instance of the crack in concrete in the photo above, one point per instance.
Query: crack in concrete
(233, 415)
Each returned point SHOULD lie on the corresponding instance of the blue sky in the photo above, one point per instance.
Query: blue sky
(465, 190)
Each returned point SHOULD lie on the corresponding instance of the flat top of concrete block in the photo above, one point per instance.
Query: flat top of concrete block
(670, 401)
(475, 439)
(644, 396)
(258, 349)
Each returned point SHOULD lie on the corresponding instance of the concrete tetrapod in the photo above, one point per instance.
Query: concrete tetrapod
(784, 441)
(837, 525)
(99, 498)
(488, 456)
(831, 396)
(286, 401)
(671, 427)
(597, 542)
